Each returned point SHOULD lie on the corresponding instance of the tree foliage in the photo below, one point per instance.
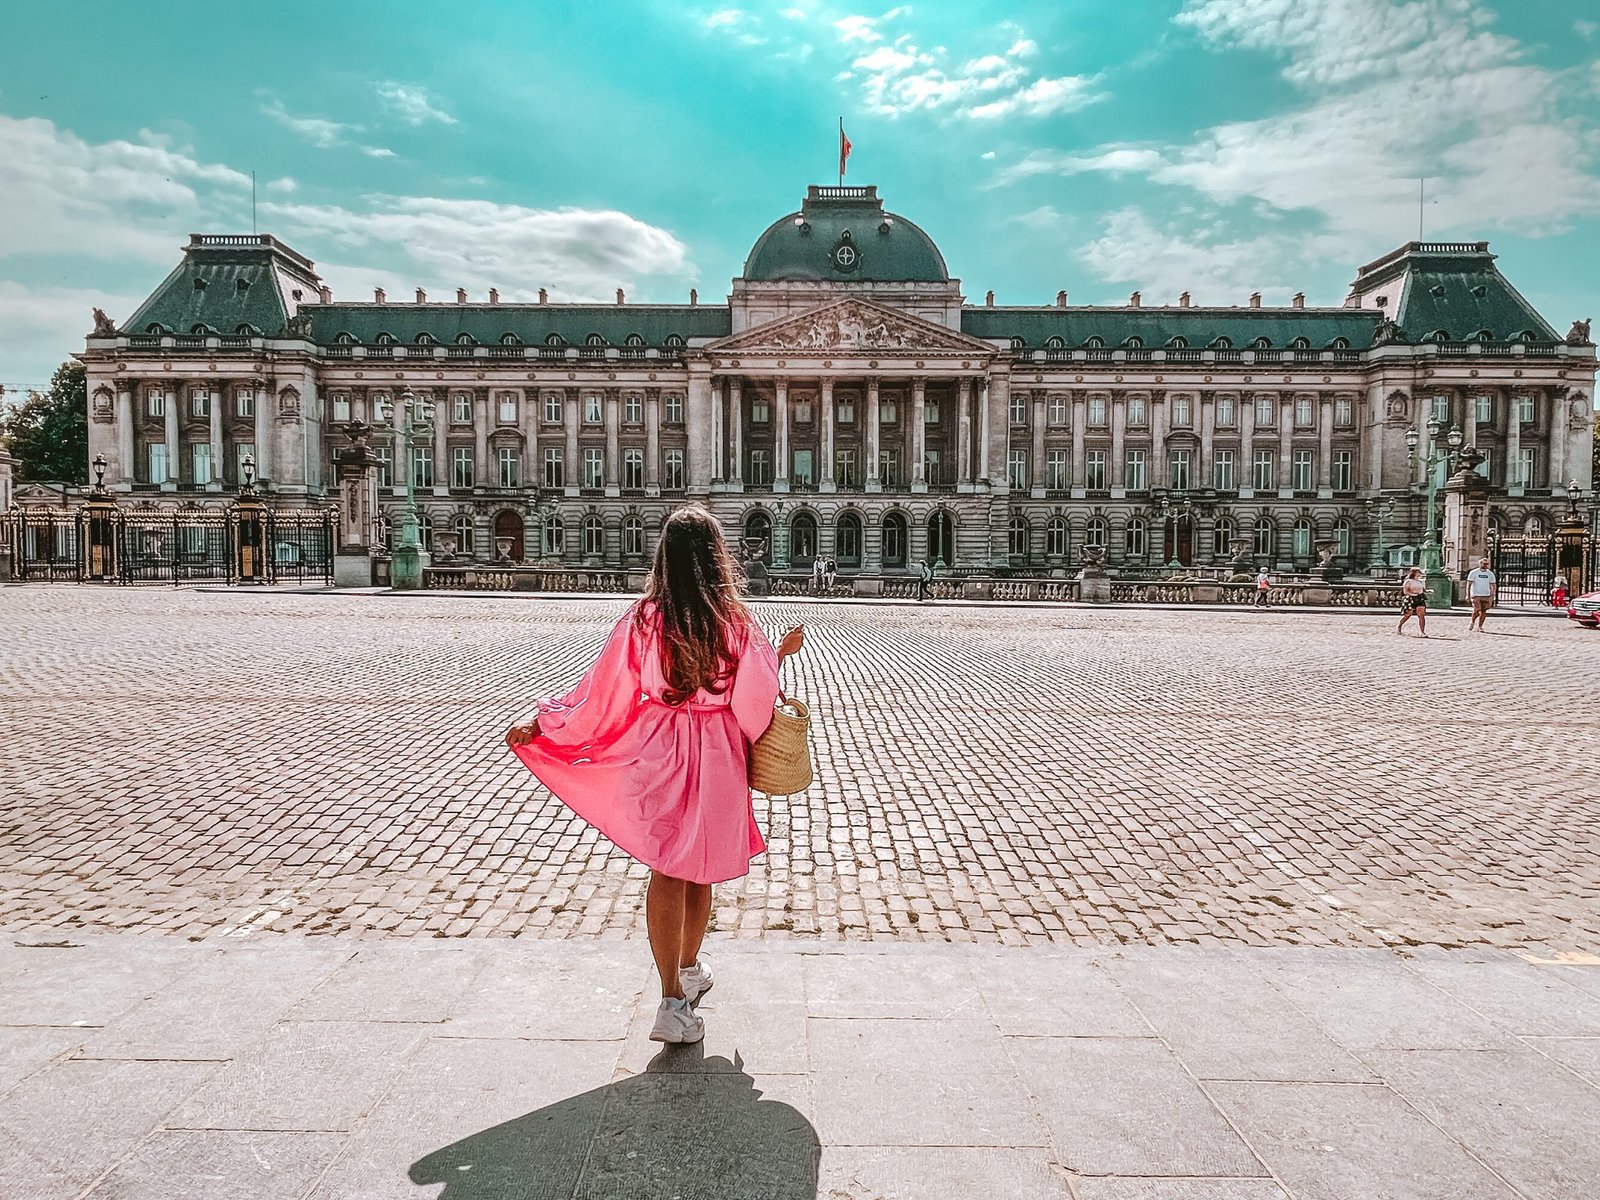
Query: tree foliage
(48, 433)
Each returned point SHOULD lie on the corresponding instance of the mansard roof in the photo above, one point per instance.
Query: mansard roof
(1155, 327)
(530, 324)
(1454, 288)
(229, 281)
(886, 247)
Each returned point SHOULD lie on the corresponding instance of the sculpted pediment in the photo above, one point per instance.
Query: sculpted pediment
(853, 325)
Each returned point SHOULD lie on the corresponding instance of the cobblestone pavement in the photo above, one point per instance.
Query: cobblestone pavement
(213, 764)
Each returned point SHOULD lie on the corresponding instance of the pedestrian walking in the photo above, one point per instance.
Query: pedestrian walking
(924, 581)
(1263, 589)
(1414, 601)
(652, 746)
(819, 570)
(1481, 590)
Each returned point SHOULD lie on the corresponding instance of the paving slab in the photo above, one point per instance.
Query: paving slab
(24, 1051)
(911, 988)
(389, 981)
(1125, 1188)
(1581, 1056)
(1123, 1106)
(1068, 994)
(1525, 1116)
(217, 1165)
(549, 991)
(1342, 1141)
(1523, 997)
(88, 983)
(903, 1173)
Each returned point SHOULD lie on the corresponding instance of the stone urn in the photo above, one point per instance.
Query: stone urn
(444, 546)
(502, 549)
(1325, 568)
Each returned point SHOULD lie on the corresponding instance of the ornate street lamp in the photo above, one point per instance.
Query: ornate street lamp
(1174, 513)
(412, 419)
(1441, 591)
(1379, 511)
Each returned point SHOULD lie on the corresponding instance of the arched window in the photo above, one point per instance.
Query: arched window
(1055, 537)
(1302, 537)
(1261, 343)
(594, 536)
(941, 539)
(1438, 335)
(1018, 539)
(1018, 343)
(594, 339)
(554, 537)
(1221, 537)
(424, 339)
(1222, 343)
(1134, 541)
(554, 339)
(758, 529)
(343, 339)
(510, 339)
(633, 339)
(425, 531)
(384, 339)
(1098, 532)
(200, 330)
(465, 339)
(1133, 343)
(1094, 343)
(1266, 536)
(1483, 335)
(802, 537)
(1344, 537)
(463, 531)
(1339, 343)
(1054, 342)
(633, 536)
(673, 340)
(847, 540)
(894, 540)
(1300, 343)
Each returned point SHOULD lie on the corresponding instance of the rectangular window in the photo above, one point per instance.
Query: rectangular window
(1303, 415)
(1266, 412)
(1095, 470)
(804, 468)
(158, 462)
(461, 409)
(244, 403)
(1484, 467)
(202, 463)
(422, 466)
(1227, 412)
(760, 468)
(844, 468)
(1527, 461)
(930, 466)
(1440, 409)
(1019, 408)
(1017, 468)
(1344, 412)
(385, 457)
(594, 467)
(1222, 471)
(802, 412)
(1181, 462)
(1300, 471)
(592, 408)
(156, 404)
(1133, 475)
(1181, 418)
(552, 408)
(847, 412)
(1344, 470)
(674, 471)
(1097, 411)
(633, 408)
(507, 413)
(1525, 409)
(554, 468)
(1055, 470)
(888, 413)
(461, 467)
(930, 413)
(889, 468)
(510, 462)
(674, 410)
(200, 404)
(1264, 471)
(341, 406)
(760, 412)
(1138, 411)
(633, 469)
(1483, 409)
(1058, 409)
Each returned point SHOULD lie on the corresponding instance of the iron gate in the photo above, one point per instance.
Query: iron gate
(1527, 568)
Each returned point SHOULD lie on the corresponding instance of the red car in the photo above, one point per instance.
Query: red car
(1585, 609)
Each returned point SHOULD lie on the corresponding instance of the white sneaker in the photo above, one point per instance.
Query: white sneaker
(696, 980)
(676, 1022)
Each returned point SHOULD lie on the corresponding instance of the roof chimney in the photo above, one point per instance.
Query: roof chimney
(1255, 299)
(1061, 299)
(1299, 300)
(621, 299)
(544, 296)
(694, 296)
(377, 295)
(422, 296)
(461, 295)
(1183, 300)
(327, 294)
(494, 295)
(988, 298)
(1134, 301)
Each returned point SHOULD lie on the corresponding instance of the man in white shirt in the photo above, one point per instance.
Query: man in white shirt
(1481, 591)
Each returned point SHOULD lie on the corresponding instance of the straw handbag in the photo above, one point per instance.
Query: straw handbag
(780, 759)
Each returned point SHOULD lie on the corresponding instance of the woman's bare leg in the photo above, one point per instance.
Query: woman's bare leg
(663, 912)
(1422, 621)
(696, 914)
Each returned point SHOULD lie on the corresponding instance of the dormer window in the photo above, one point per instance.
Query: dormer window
(594, 339)
(1261, 343)
(633, 339)
(345, 339)
(384, 339)
(425, 339)
(1222, 343)
(1054, 343)
(1438, 335)
(1133, 343)
(554, 339)
(510, 339)
(1178, 343)
(243, 285)
(1339, 343)
(1096, 342)
(465, 339)
(674, 340)
(1300, 343)
(1019, 343)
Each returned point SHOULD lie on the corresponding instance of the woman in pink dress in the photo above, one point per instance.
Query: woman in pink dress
(652, 746)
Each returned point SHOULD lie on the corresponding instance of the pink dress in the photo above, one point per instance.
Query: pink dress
(669, 785)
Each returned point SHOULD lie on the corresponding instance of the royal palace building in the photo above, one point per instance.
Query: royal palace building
(848, 400)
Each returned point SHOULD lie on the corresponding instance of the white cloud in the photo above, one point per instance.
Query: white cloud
(377, 152)
(319, 131)
(410, 104)
(286, 184)
(1586, 29)
(723, 18)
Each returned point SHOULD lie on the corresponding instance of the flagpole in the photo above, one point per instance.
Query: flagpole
(841, 151)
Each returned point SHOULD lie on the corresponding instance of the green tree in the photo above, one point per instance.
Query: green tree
(48, 433)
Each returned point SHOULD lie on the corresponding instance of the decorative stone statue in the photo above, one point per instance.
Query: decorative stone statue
(1578, 335)
(298, 325)
(104, 326)
(1387, 332)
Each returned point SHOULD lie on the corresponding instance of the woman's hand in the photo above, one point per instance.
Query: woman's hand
(521, 735)
(792, 641)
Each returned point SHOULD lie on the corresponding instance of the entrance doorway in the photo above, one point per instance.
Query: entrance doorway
(508, 524)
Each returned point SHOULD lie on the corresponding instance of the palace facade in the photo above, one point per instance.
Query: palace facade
(847, 400)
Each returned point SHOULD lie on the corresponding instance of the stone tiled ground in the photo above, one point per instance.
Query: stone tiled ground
(212, 764)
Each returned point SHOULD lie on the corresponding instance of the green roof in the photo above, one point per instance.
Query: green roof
(805, 245)
(1155, 327)
(1454, 288)
(226, 282)
(530, 324)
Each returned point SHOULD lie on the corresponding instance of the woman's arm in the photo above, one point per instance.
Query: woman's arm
(597, 707)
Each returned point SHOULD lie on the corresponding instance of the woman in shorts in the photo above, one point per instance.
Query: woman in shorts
(1414, 601)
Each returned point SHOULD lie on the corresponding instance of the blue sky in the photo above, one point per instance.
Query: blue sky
(1214, 146)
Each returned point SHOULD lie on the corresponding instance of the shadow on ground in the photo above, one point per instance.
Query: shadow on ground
(690, 1126)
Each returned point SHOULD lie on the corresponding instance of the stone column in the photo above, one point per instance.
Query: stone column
(572, 469)
(532, 468)
(1036, 452)
(127, 469)
(613, 442)
(652, 442)
(919, 434)
(1324, 412)
(1119, 434)
(1247, 444)
(174, 473)
(980, 401)
(999, 419)
(441, 443)
(874, 484)
(964, 432)
(780, 469)
(1285, 444)
(215, 413)
(1513, 448)
(483, 416)
(736, 429)
(1556, 401)
(697, 418)
(825, 475)
(1080, 458)
(719, 431)
(1160, 476)
(1206, 468)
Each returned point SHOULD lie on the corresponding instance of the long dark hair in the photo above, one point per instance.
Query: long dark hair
(694, 587)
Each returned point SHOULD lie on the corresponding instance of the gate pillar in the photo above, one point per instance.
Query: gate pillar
(1466, 517)
(1573, 547)
(248, 517)
(358, 510)
(97, 529)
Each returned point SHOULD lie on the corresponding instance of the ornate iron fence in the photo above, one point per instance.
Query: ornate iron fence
(1528, 568)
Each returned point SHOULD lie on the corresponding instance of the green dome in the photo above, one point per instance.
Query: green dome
(843, 234)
